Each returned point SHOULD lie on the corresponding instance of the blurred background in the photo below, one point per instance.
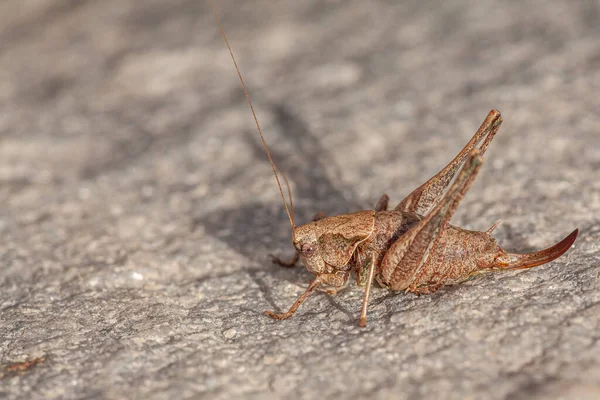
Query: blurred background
(139, 210)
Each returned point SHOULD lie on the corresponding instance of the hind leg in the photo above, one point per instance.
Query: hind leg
(426, 289)
(407, 255)
(426, 196)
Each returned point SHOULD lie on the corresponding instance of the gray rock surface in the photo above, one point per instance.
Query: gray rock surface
(138, 209)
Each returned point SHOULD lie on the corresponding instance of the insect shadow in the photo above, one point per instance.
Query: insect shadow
(255, 229)
(314, 180)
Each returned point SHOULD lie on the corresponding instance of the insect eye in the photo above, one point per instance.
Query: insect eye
(307, 249)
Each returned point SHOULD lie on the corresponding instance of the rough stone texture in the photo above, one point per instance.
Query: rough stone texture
(138, 209)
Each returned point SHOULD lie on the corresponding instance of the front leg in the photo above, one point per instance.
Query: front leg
(289, 263)
(340, 283)
(296, 304)
(335, 280)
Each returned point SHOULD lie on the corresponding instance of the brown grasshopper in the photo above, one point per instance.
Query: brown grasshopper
(411, 248)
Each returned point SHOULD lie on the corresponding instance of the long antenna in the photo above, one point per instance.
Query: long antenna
(287, 210)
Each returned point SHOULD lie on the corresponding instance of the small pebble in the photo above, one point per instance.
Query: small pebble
(230, 333)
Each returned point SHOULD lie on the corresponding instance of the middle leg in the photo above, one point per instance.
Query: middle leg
(382, 203)
(363, 312)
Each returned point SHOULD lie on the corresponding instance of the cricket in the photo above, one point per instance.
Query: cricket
(412, 248)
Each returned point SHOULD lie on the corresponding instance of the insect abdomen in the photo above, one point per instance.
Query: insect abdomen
(458, 255)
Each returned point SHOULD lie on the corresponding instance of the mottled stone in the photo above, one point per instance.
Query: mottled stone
(138, 209)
